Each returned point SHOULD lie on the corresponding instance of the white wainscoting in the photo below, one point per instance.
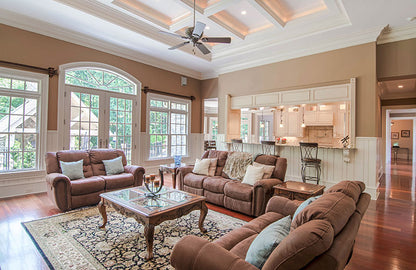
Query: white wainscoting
(365, 162)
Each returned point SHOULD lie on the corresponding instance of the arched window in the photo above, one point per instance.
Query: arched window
(101, 109)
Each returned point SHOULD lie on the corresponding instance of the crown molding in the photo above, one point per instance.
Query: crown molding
(338, 42)
(392, 34)
(47, 29)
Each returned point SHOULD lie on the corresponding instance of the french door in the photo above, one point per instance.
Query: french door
(100, 119)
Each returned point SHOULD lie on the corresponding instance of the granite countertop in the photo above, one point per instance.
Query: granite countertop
(297, 145)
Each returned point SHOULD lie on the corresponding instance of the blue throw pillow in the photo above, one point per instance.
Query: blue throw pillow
(74, 170)
(113, 166)
(267, 240)
(304, 204)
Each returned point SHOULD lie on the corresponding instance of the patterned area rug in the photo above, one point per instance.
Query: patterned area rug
(73, 240)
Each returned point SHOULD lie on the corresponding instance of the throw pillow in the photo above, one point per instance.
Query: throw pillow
(201, 166)
(253, 174)
(267, 240)
(113, 166)
(304, 204)
(268, 169)
(74, 170)
(212, 166)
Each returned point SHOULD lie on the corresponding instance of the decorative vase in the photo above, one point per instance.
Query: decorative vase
(177, 159)
(152, 185)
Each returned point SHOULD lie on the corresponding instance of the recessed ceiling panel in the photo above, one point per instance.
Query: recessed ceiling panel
(161, 12)
(249, 16)
(291, 9)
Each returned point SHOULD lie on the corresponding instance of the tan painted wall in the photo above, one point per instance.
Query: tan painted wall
(33, 49)
(396, 59)
(310, 71)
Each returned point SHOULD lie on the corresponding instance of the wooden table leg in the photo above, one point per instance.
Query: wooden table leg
(202, 215)
(101, 209)
(174, 178)
(149, 230)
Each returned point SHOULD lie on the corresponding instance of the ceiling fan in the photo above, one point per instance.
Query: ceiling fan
(194, 36)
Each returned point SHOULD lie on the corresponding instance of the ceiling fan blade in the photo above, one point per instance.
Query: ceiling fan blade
(198, 29)
(179, 45)
(217, 39)
(172, 34)
(202, 48)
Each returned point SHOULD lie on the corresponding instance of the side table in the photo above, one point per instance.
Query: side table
(298, 190)
(171, 168)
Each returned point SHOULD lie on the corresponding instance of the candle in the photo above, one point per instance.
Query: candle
(152, 177)
(156, 183)
(147, 179)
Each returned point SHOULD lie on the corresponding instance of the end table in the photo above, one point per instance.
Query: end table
(171, 168)
(298, 190)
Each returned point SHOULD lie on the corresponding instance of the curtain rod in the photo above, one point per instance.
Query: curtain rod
(50, 70)
(146, 90)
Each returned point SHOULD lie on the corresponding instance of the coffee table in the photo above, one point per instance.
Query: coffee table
(297, 190)
(170, 204)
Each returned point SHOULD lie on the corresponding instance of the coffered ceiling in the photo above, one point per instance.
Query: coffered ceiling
(262, 31)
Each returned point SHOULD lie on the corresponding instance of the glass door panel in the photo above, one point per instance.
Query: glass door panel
(84, 119)
(120, 131)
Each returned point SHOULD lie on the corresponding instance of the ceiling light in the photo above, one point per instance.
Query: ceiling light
(243, 12)
(400, 86)
(207, 28)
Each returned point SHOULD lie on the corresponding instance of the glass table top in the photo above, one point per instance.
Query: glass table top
(136, 199)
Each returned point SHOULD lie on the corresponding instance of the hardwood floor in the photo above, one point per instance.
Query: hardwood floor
(386, 239)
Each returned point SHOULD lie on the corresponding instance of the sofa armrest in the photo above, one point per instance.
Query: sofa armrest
(195, 253)
(180, 174)
(137, 172)
(281, 205)
(263, 191)
(59, 190)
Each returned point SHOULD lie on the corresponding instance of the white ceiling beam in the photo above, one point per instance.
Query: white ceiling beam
(184, 22)
(217, 7)
(268, 13)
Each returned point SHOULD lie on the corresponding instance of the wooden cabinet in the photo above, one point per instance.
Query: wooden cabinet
(292, 122)
(241, 102)
(325, 118)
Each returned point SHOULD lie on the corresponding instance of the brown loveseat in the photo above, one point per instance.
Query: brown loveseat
(322, 236)
(234, 195)
(69, 194)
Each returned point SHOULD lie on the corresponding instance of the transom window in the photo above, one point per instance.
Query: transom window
(99, 79)
(167, 126)
(19, 122)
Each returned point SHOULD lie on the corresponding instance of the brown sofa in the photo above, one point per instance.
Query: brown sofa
(234, 195)
(69, 194)
(322, 236)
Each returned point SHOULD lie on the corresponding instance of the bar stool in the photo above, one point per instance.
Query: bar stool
(309, 159)
(237, 145)
(268, 147)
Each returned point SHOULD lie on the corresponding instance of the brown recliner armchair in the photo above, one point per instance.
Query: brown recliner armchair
(232, 194)
(322, 235)
(69, 194)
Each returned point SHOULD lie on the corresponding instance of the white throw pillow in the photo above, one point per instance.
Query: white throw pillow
(113, 166)
(212, 166)
(253, 174)
(267, 169)
(74, 170)
(201, 166)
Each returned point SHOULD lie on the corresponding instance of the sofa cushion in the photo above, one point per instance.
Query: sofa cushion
(194, 180)
(98, 155)
(267, 240)
(75, 155)
(73, 170)
(87, 185)
(351, 188)
(236, 165)
(222, 158)
(304, 204)
(242, 247)
(118, 181)
(201, 166)
(335, 207)
(239, 191)
(258, 224)
(267, 169)
(215, 184)
(301, 246)
(266, 160)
